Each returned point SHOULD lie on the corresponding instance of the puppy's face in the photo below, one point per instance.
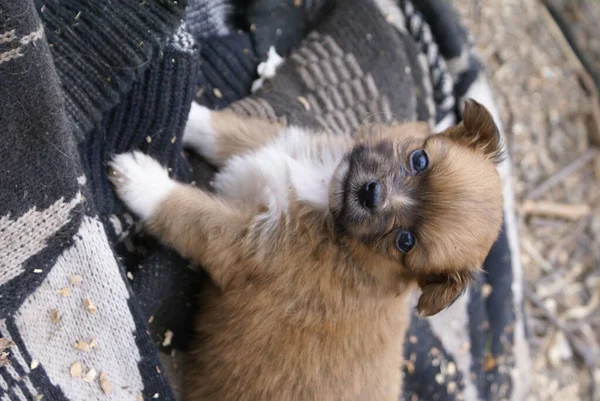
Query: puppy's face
(431, 203)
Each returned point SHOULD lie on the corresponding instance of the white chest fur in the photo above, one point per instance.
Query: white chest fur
(294, 167)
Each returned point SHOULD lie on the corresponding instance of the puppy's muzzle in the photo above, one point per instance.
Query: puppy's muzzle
(369, 195)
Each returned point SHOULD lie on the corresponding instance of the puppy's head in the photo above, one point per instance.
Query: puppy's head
(431, 203)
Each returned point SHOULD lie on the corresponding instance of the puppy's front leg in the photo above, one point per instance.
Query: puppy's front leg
(218, 135)
(196, 224)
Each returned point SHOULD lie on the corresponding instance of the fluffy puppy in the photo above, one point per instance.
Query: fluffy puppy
(314, 241)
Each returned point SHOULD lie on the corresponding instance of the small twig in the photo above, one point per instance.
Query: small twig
(569, 241)
(535, 254)
(563, 173)
(579, 348)
(558, 210)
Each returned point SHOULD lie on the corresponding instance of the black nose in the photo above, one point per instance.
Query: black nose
(370, 194)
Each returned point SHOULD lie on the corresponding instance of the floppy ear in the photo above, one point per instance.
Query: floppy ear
(440, 291)
(477, 131)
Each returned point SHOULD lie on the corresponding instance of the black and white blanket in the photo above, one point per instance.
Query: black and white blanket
(87, 303)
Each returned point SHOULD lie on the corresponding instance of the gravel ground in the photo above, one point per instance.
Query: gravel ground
(546, 103)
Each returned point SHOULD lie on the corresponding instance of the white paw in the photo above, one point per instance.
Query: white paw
(140, 181)
(199, 133)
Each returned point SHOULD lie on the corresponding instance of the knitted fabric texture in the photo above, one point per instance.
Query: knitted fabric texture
(85, 298)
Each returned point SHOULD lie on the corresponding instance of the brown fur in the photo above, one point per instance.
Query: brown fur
(318, 310)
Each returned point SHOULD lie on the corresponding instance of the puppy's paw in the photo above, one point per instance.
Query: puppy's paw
(140, 181)
(199, 133)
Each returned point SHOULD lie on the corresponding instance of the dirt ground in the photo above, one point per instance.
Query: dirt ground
(547, 110)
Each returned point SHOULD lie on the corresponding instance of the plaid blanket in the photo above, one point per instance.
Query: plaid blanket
(90, 308)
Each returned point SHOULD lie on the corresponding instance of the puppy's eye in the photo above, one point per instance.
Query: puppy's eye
(405, 241)
(419, 160)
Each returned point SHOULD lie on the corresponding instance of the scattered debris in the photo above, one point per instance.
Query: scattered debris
(104, 383)
(64, 292)
(148, 139)
(486, 290)
(90, 375)
(34, 364)
(55, 318)
(38, 271)
(89, 306)
(217, 92)
(168, 338)
(76, 369)
(76, 279)
(489, 363)
(83, 345)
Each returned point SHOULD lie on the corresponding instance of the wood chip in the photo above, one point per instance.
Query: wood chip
(451, 369)
(89, 305)
(168, 338)
(486, 290)
(39, 397)
(34, 364)
(90, 375)
(304, 102)
(410, 367)
(217, 92)
(38, 271)
(489, 363)
(174, 139)
(55, 318)
(82, 346)
(413, 339)
(64, 292)
(140, 397)
(76, 369)
(105, 384)
(130, 276)
(156, 395)
(150, 319)
(75, 279)
(148, 139)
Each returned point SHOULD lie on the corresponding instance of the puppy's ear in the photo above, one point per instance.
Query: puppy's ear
(478, 131)
(440, 291)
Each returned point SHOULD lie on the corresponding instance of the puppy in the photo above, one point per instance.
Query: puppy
(314, 241)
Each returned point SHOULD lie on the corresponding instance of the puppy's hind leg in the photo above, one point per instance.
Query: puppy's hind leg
(218, 135)
(196, 224)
